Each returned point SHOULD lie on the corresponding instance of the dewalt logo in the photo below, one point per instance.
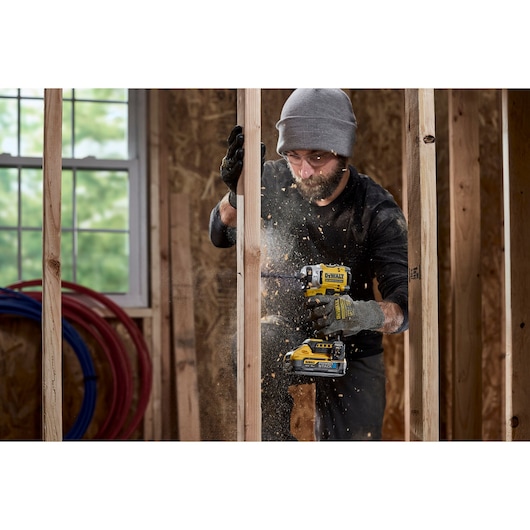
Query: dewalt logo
(334, 277)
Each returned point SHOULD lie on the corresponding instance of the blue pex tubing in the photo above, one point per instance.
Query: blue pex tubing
(18, 304)
(123, 412)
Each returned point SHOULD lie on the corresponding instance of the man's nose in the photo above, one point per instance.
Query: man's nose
(306, 169)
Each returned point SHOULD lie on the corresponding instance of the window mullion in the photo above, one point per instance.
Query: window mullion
(68, 163)
(74, 226)
(19, 122)
(72, 147)
(19, 222)
(96, 163)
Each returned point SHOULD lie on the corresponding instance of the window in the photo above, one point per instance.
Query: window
(104, 209)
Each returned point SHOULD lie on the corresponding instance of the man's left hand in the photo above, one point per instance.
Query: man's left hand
(332, 315)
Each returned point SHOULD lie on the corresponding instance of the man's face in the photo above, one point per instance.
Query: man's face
(317, 173)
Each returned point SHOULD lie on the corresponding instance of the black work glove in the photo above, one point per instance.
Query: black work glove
(332, 315)
(232, 164)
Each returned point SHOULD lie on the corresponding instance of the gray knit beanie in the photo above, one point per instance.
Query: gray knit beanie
(317, 119)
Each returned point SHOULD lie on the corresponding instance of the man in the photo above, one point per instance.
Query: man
(316, 208)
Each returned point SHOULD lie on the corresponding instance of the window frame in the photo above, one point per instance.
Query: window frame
(136, 167)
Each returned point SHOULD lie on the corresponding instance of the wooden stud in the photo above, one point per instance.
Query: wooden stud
(464, 187)
(182, 294)
(516, 161)
(168, 423)
(406, 349)
(240, 250)
(153, 419)
(249, 270)
(423, 268)
(51, 268)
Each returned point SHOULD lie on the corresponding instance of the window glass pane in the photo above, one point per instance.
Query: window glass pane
(31, 127)
(67, 206)
(8, 126)
(8, 92)
(100, 130)
(68, 146)
(67, 256)
(32, 92)
(31, 197)
(32, 257)
(103, 94)
(103, 262)
(8, 197)
(102, 200)
(8, 257)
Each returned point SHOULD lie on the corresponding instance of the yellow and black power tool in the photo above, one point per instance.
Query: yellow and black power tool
(319, 357)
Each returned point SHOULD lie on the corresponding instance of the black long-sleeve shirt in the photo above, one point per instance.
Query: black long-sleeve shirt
(363, 229)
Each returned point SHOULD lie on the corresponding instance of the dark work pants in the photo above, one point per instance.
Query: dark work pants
(352, 407)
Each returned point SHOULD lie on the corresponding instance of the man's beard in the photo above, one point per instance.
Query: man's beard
(320, 186)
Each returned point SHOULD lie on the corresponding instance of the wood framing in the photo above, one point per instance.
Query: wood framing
(156, 416)
(249, 270)
(52, 334)
(182, 294)
(464, 186)
(406, 339)
(420, 152)
(164, 296)
(516, 163)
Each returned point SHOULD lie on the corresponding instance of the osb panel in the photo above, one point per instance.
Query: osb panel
(20, 385)
(199, 123)
(21, 380)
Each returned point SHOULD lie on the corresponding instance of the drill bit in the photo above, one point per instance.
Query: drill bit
(279, 275)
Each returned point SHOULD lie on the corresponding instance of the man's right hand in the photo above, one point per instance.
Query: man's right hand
(232, 164)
